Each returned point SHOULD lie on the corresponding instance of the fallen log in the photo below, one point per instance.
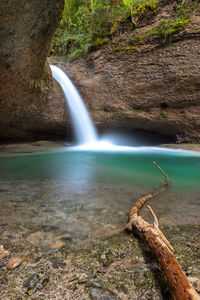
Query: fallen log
(179, 286)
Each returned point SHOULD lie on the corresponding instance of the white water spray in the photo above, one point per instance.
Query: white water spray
(84, 129)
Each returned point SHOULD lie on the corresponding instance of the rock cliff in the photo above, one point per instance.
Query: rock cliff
(153, 83)
(29, 99)
(147, 77)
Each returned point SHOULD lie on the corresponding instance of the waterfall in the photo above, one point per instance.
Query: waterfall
(84, 129)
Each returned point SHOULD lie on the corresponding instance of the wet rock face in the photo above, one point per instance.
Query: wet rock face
(154, 88)
(144, 81)
(30, 102)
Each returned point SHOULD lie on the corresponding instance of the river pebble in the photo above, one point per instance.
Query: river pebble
(58, 263)
(14, 263)
(101, 294)
(31, 280)
(57, 244)
(4, 253)
(41, 284)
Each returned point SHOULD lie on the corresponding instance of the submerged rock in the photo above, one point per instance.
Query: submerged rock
(14, 263)
(131, 275)
(41, 284)
(4, 253)
(101, 294)
(31, 281)
(57, 244)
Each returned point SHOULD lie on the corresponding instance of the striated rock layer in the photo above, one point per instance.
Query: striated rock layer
(31, 104)
(153, 86)
(158, 90)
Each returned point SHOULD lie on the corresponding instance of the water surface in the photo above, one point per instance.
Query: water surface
(88, 193)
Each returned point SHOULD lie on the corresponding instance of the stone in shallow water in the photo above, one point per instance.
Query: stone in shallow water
(57, 263)
(14, 263)
(41, 284)
(36, 284)
(2, 264)
(31, 280)
(4, 253)
(101, 294)
(57, 244)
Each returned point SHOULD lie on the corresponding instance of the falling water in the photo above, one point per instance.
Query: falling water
(84, 129)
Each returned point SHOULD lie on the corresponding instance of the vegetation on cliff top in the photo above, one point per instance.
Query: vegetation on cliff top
(87, 25)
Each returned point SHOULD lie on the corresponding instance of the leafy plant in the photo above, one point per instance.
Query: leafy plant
(87, 25)
(163, 113)
(168, 27)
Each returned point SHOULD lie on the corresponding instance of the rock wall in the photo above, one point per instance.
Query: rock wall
(152, 86)
(156, 91)
(31, 104)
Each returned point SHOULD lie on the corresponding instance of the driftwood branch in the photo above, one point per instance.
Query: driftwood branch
(178, 284)
(159, 231)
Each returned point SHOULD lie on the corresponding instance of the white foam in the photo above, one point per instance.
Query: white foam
(106, 146)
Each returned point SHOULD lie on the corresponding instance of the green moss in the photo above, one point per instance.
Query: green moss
(168, 27)
(125, 48)
(134, 23)
(144, 7)
(184, 8)
(138, 40)
(75, 54)
(163, 113)
(37, 83)
(114, 28)
(186, 241)
(128, 48)
(100, 42)
(30, 292)
(84, 28)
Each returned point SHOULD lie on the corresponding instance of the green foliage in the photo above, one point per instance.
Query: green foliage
(99, 42)
(37, 84)
(145, 6)
(75, 54)
(128, 2)
(129, 48)
(88, 25)
(184, 7)
(168, 27)
(144, 10)
(163, 113)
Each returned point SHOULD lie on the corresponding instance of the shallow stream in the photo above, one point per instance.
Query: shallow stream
(87, 194)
